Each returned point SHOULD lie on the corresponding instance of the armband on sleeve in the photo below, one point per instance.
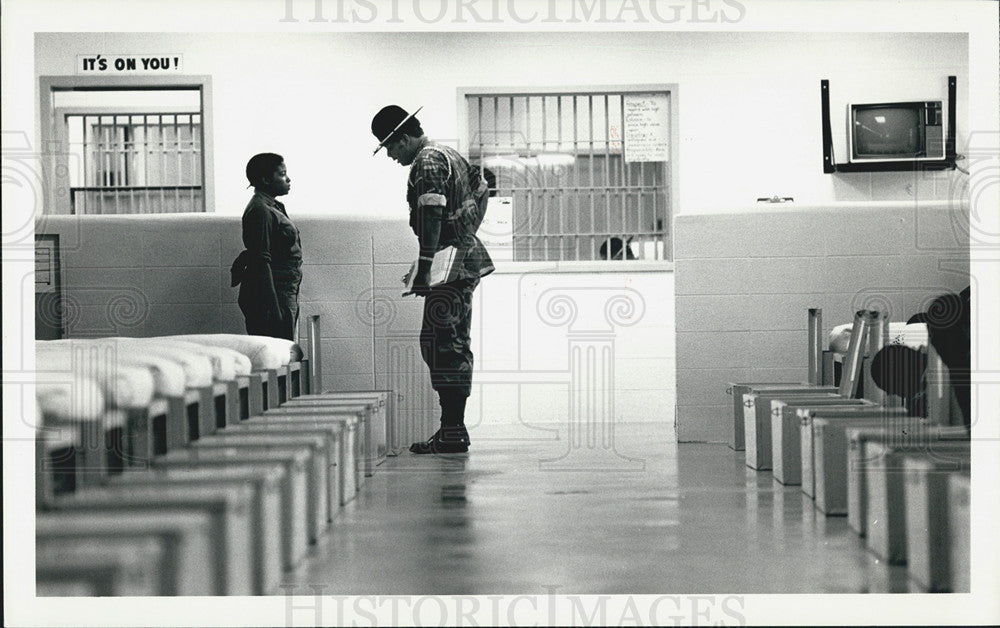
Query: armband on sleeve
(432, 203)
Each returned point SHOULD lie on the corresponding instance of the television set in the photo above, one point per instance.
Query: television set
(895, 131)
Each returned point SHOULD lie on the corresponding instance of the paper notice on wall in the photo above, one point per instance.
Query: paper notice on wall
(497, 228)
(647, 127)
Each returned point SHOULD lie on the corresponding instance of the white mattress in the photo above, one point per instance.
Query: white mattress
(198, 370)
(226, 363)
(169, 378)
(67, 396)
(913, 335)
(123, 385)
(263, 352)
(58, 437)
(54, 437)
(78, 377)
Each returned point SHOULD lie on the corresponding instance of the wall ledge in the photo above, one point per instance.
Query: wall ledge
(846, 206)
(624, 267)
(207, 218)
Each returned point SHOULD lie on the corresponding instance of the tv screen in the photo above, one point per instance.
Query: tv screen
(888, 131)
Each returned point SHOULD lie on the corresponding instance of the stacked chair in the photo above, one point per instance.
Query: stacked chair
(191, 465)
(899, 472)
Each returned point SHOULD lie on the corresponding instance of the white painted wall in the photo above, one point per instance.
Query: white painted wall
(748, 102)
(527, 324)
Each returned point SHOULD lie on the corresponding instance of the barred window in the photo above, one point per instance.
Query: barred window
(146, 163)
(128, 149)
(562, 161)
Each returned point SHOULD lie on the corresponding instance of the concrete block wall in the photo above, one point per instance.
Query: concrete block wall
(146, 276)
(744, 281)
(158, 275)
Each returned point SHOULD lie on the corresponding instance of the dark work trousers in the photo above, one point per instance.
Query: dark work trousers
(252, 301)
(445, 342)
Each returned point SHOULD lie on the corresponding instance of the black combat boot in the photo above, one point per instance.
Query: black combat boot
(452, 438)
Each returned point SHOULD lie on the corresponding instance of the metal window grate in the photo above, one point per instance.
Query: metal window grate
(560, 157)
(145, 163)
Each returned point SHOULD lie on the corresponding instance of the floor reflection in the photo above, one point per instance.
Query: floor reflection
(693, 519)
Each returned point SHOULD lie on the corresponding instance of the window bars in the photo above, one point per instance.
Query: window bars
(560, 158)
(137, 163)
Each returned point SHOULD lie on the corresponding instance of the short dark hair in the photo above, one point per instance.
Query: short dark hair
(899, 370)
(616, 249)
(412, 127)
(491, 180)
(262, 165)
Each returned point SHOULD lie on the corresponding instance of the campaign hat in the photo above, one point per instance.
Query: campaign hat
(389, 121)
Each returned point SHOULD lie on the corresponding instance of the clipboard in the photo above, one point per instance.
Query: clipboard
(444, 269)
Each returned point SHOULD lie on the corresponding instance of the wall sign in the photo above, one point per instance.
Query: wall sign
(647, 127)
(129, 64)
(497, 229)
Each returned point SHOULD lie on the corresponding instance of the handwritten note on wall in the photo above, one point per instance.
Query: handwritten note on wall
(647, 127)
(497, 230)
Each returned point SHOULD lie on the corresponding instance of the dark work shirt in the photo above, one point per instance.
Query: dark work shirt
(270, 237)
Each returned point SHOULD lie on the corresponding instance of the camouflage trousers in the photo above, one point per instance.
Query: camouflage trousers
(445, 342)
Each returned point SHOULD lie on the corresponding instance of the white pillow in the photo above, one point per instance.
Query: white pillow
(913, 335)
(840, 338)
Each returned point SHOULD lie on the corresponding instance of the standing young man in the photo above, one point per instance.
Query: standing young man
(447, 199)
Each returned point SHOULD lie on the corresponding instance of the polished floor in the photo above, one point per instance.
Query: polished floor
(528, 512)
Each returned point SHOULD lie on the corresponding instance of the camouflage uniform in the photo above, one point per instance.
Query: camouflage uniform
(443, 186)
(445, 341)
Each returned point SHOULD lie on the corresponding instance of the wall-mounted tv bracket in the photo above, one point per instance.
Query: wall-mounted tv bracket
(830, 166)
